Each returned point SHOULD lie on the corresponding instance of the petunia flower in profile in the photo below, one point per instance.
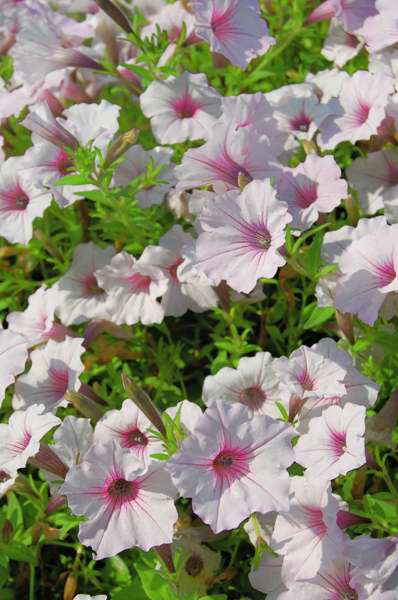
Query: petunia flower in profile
(133, 287)
(314, 186)
(187, 288)
(80, 297)
(21, 201)
(360, 110)
(242, 234)
(233, 28)
(375, 563)
(307, 535)
(181, 108)
(373, 177)
(126, 501)
(253, 383)
(381, 30)
(227, 156)
(352, 14)
(232, 467)
(369, 274)
(20, 437)
(135, 163)
(340, 46)
(56, 368)
(171, 18)
(334, 443)
(129, 428)
(37, 322)
(13, 356)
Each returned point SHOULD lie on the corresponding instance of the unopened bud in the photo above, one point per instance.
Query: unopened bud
(309, 146)
(144, 403)
(121, 144)
(7, 531)
(70, 587)
(48, 460)
(164, 551)
(86, 406)
(115, 14)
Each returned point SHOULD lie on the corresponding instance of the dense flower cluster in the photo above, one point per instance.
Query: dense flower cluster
(276, 431)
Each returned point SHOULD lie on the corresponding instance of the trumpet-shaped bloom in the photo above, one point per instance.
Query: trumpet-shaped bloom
(314, 186)
(233, 28)
(340, 46)
(21, 201)
(80, 297)
(133, 286)
(334, 443)
(20, 438)
(227, 155)
(55, 370)
(242, 233)
(374, 177)
(232, 467)
(181, 108)
(126, 502)
(253, 383)
(352, 14)
(129, 427)
(307, 535)
(13, 355)
(360, 110)
(136, 162)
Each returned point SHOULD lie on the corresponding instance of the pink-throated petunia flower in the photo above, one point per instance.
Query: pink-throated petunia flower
(21, 201)
(352, 14)
(181, 108)
(129, 427)
(253, 383)
(228, 155)
(307, 534)
(126, 501)
(373, 177)
(37, 322)
(233, 28)
(55, 370)
(314, 186)
(334, 443)
(340, 46)
(136, 162)
(360, 110)
(242, 234)
(13, 356)
(20, 437)
(133, 287)
(232, 466)
(187, 289)
(369, 278)
(80, 297)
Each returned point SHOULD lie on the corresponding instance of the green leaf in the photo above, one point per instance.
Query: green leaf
(154, 585)
(318, 316)
(18, 552)
(74, 179)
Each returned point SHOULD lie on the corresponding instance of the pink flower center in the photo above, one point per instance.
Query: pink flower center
(139, 283)
(301, 122)
(120, 491)
(132, 438)
(385, 273)
(90, 286)
(59, 380)
(20, 446)
(226, 169)
(62, 163)
(306, 381)
(185, 107)
(222, 23)
(231, 464)
(15, 199)
(362, 113)
(306, 195)
(252, 397)
(337, 443)
(314, 518)
(256, 236)
(172, 269)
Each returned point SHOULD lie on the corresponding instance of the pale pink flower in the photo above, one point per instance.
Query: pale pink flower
(373, 177)
(381, 30)
(232, 467)
(352, 14)
(133, 287)
(37, 322)
(21, 201)
(80, 297)
(135, 163)
(55, 370)
(189, 415)
(7, 480)
(233, 28)
(267, 577)
(360, 110)
(93, 123)
(307, 534)
(375, 562)
(13, 355)
(20, 438)
(181, 108)
(340, 46)
(369, 274)
(314, 186)
(129, 427)
(253, 383)
(227, 155)
(242, 235)
(187, 289)
(171, 18)
(126, 502)
(327, 83)
(334, 443)
(385, 62)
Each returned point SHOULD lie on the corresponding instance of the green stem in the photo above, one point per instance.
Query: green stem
(32, 581)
